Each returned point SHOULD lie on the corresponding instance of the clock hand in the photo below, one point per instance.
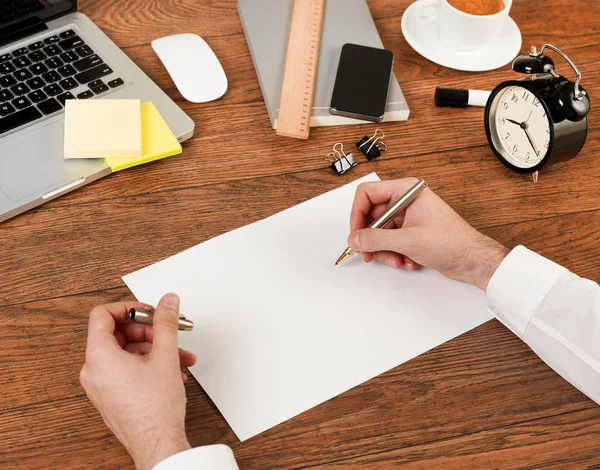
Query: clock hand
(531, 141)
(530, 113)
(514, 122)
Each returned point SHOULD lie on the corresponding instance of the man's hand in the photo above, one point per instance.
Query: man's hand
(132, 375)
(428, 233)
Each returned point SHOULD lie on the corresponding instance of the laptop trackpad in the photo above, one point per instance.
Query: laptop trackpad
(35, 163)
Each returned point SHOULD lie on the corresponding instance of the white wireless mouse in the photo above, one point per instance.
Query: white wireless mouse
(193, 66)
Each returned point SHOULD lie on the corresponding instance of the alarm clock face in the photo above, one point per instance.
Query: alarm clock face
(519, 128)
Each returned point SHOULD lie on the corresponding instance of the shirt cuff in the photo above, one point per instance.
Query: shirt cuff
(519, 286)
(215, 457)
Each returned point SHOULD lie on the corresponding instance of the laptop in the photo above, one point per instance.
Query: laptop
(50, 53)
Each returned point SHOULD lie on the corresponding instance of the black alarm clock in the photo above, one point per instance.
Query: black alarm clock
(538, 120)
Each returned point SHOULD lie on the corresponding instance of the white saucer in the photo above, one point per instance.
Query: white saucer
(423, 37)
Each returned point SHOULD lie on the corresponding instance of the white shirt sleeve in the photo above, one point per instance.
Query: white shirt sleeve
(215, 457)
(555, 312)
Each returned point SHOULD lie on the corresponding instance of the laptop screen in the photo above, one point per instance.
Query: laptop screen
(18, 15)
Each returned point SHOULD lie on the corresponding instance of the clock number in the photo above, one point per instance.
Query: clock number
(515, 148)
(544, 115)
(514, 98)
(528, 155)
(507, 135)
(505, 105)
(547, 144)
(503, 121)
(547, 131)
(536, 102)
(525, 95)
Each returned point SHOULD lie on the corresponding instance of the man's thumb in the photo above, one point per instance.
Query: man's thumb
(370, 240)
(165, 324)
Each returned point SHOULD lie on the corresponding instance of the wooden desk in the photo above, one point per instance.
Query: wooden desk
(481, 400)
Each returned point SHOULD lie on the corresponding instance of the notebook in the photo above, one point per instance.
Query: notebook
(157, 141)
(266, 25)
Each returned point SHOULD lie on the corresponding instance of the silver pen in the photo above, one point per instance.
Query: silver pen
(145, 318)
(384, 219)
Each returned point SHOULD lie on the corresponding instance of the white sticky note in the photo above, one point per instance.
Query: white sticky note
(103, 128)
(279, 329)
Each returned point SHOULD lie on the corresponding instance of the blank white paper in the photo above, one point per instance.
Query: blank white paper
(279, 329)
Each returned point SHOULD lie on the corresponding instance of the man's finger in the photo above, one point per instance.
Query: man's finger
(104, 320)
(374, 194)
(371, 240)
(409, 264)
(165, 325)
(389, 258)
(186, 358)
(136, 332)
(138, 348)
(393, 260)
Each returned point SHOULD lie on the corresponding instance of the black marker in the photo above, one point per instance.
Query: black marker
(455, 98)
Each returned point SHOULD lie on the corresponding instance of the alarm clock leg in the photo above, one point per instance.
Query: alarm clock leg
(535, 176)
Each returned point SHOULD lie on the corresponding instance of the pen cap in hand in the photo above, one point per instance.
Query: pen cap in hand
(146, 317)
(138, 316)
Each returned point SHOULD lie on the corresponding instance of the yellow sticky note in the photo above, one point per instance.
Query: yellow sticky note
(103, 128)
(157, 141)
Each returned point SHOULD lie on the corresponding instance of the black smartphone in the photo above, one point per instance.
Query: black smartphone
(362, 82)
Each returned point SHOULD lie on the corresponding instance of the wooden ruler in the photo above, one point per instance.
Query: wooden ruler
(295, 106)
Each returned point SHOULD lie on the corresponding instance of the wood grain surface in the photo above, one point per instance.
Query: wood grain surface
(482, 400)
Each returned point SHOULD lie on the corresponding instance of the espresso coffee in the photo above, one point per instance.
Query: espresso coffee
(478, 7)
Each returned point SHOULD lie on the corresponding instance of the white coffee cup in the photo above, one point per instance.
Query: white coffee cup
(460, 30)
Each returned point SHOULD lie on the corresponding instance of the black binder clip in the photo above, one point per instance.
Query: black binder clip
(340, 162)
(377, 145)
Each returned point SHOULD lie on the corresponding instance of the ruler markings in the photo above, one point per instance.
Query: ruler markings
(295, 107)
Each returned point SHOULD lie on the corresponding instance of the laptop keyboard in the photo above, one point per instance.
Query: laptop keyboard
(36, 80)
